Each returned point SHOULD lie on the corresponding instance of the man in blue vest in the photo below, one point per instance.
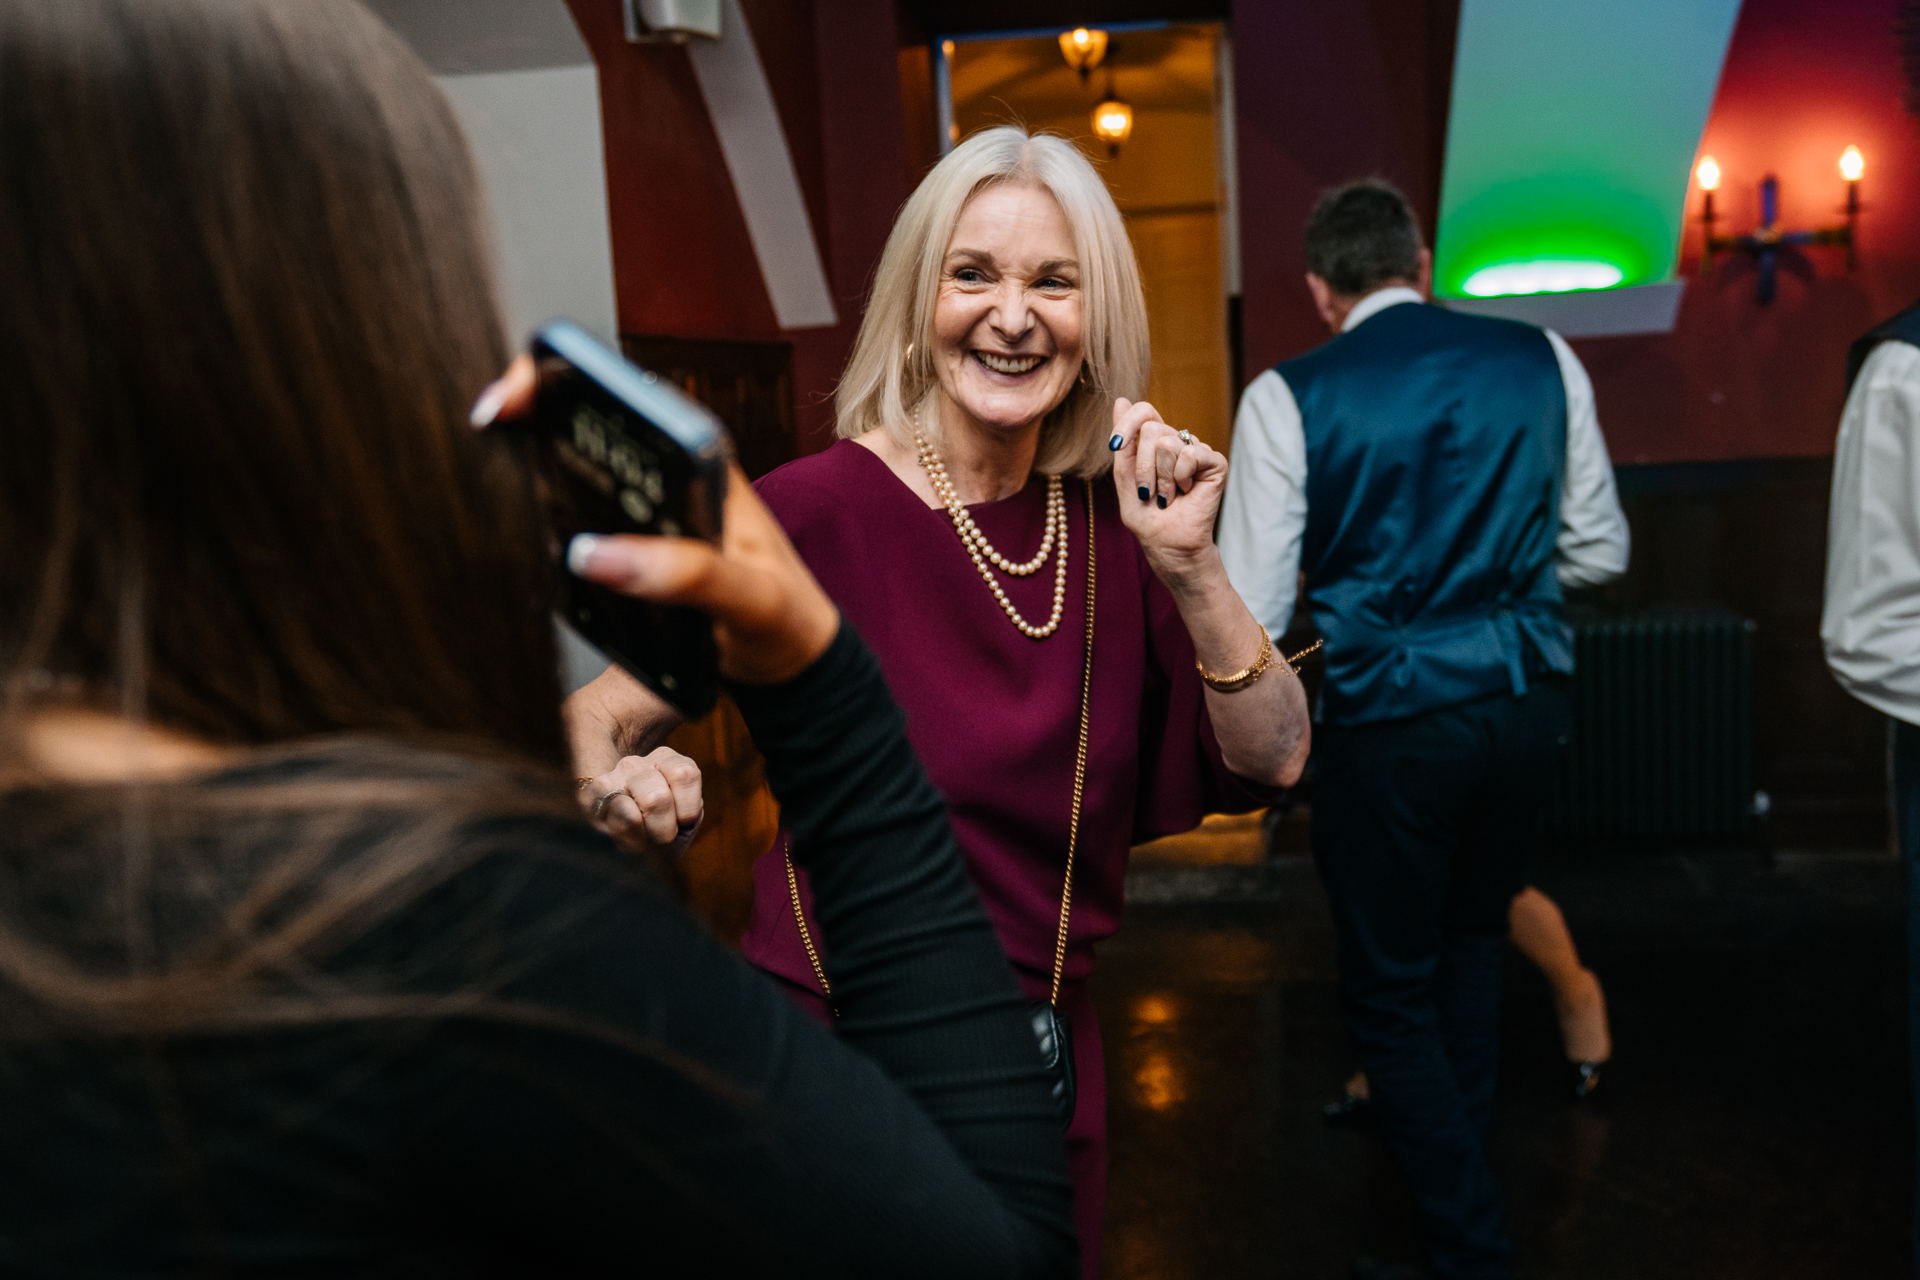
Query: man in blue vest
(1429, 481)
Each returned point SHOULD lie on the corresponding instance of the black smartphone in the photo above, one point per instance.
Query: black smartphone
(621, 450)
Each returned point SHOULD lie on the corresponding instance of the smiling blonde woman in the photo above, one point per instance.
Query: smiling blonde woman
(1053, 685)
(883, 389)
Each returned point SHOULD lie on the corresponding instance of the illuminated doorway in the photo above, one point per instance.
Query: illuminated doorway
(1172, 178)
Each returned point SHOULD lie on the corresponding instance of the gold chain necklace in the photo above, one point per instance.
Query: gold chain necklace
(982, 553)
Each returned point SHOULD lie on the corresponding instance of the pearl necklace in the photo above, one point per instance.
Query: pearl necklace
(981, 551)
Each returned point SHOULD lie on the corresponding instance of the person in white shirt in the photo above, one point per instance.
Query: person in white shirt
(1433, 479)
(1870, 622)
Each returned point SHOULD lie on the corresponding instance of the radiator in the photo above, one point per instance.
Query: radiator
(1662, 739)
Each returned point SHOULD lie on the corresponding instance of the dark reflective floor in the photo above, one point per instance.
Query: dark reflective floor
(1755, 1122)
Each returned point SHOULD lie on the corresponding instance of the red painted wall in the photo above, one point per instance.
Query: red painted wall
(1329, 90)
(1325, 91)
(1803, 79)
(683, 263)
(869, 170)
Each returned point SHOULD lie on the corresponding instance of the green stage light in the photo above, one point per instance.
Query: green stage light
(1570, 138)
(1541, 275)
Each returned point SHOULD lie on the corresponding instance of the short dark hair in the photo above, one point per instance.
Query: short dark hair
(1361, 235)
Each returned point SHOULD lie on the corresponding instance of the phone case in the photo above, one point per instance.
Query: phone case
(623, 451)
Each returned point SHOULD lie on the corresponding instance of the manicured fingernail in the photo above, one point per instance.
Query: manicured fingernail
(1144, 494)
(581, 552)
(487, 407)
(1114, 443)
(1162, 500)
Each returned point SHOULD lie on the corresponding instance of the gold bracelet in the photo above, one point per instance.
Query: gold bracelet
(582, 782)
(1240, 679)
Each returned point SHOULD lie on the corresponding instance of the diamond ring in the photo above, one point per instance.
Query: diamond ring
(1186, 437)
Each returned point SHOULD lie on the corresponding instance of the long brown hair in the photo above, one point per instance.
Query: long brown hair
(245, 302)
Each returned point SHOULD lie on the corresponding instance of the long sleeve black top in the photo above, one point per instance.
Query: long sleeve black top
(540, 1063)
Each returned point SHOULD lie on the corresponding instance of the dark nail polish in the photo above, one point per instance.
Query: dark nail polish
(1162, 500)
(1143, 493)
(1114, 443)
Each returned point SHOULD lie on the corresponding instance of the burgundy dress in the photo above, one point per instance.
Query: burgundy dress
(995, 716)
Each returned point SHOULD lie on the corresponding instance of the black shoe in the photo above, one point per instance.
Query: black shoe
(1351, 1112)
(1373, 1269)
(1586, 1078)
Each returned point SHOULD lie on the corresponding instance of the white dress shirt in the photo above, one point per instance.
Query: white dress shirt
(1870, 624)
(1264, 515)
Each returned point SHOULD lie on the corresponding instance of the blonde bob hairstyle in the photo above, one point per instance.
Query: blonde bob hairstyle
(891, 372)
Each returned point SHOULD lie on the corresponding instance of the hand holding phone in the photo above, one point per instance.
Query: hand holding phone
(771, 618)
(621, 451)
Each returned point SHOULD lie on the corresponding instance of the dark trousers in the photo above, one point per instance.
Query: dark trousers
(1421, 828)
(1906, 816)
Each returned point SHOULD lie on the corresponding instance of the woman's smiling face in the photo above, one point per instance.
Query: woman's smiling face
(1007, 323)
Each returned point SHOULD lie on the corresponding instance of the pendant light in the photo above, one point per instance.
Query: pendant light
(1112, 120)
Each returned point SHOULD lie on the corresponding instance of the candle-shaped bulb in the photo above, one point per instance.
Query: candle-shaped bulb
(1852, 165)
(1708, 174)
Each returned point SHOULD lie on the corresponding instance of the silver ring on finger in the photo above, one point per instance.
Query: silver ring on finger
(600, 805)
(1186, 437)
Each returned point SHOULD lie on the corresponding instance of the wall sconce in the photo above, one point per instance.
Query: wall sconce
(1112, 120)
(1083, 48)
(1763, 243)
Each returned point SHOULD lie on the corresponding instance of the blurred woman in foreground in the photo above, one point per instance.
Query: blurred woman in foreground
(307, 963)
